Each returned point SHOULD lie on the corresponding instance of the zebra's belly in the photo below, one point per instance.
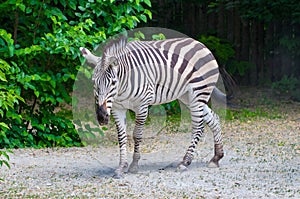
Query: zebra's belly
(164, 95)
(162, 100)
(133, 103)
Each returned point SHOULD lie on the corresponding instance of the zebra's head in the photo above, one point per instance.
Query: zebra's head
(105, 78)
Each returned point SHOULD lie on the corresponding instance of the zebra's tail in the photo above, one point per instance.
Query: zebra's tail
(222, 98)
(219, 96)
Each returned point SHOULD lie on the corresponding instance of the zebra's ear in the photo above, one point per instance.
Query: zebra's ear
(91, 59)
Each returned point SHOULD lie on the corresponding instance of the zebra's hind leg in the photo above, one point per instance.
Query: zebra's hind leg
(120, 119)
(196, 110)
(213, 121)
(137, 137)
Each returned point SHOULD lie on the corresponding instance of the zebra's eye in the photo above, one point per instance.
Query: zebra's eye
(113, 82)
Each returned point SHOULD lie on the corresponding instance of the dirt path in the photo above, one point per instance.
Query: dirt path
(262, 160)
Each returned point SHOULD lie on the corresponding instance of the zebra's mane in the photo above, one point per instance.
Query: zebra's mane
(113, 48)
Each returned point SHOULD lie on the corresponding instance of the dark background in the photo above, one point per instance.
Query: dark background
(264, 34)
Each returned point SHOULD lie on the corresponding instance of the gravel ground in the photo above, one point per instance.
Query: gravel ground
(262, 160)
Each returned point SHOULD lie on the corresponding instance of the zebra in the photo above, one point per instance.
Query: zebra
(133, 75)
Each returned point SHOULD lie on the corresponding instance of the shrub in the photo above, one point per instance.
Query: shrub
(39, 42)
(224, 52)
(289, 86)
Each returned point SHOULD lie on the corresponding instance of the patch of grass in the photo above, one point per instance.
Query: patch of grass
(246, 114)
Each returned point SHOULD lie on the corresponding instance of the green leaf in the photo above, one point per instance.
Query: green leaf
(37, 93)
(52, 83)
(60, 100)
(4, 125)
(2, 77)
(36, 77)
(11, 50)
(28, 10)
(148, 2)
(81, 8)
(143, 18)
(63, 2)
(21, 6)
(149, 13)
(72, 4)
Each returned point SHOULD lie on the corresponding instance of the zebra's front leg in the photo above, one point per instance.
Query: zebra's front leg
(197, 133)
(120, 119)
(137, 137)
(213, 121)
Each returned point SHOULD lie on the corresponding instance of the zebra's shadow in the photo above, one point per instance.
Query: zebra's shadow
(145, 168)
(168, 166)
(105, 172)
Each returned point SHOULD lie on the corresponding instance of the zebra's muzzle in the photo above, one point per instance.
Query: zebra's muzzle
(102, 115)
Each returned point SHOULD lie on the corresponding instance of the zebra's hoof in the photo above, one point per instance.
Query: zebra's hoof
(181, 168)
(118, 175)
(213, 164)
(133, 169)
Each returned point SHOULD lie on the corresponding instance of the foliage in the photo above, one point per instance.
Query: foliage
(222, 49)
(159, 36)
(224, 52)
(292, 43)
(240, 68)
(4, 158)
(39, 44)
(261, 10)
(141, 36)
(288, 86)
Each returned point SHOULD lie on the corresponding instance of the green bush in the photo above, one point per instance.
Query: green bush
(224, 52)
(39, 42)
(289, 86)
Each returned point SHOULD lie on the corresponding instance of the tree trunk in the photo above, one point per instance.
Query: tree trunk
(269, 46)
(221, 22)
(230, 25)
(237, 34)
(253, 52)
(260, 54)
(189, 18)
(245, 40)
